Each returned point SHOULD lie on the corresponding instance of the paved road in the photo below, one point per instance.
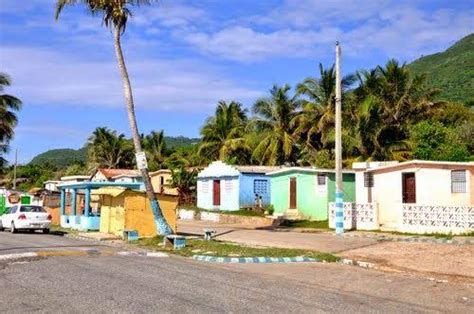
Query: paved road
(141, 284)
(28, 242)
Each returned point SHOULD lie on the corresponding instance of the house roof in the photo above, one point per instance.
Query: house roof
(110, 173)
(76, 177)
(256, 169)
(451, 165)
(161, 171)
(218, 169)
(52, 181)
(305, 169)
(112, 191)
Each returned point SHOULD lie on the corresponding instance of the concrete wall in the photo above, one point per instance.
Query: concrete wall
(247, 193)
(156, 182)
(229, 193)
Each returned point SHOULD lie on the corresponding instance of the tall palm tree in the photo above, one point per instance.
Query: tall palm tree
(155, 146)
(9, 106)
(223, 134)
(315, 123)
(392, 99)
(107, 149)
(115, 14)
(273, 119)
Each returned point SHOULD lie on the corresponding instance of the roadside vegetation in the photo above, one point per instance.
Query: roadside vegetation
(226, 249)
(309, 224)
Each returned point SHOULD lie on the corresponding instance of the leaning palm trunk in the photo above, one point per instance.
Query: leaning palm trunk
(162, 226)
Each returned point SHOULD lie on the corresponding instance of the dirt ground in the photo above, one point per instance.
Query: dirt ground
(445, 260)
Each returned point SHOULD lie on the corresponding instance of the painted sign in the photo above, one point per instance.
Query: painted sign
(141, 160)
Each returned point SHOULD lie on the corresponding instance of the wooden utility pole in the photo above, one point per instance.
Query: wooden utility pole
(339, 219)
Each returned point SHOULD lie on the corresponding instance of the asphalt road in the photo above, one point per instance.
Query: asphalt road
(179, 285)
(30, 242)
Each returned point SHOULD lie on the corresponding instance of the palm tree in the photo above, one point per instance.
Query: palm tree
(315, 123)
(115, 14)
(223, 134)
(9, 106)
(392, 99)
(155, 146)
(273, 119)
(107, 149)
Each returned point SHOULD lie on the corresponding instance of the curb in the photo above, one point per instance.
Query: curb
(14, 256)
(242, 260)
(412, 239)
(351, 262)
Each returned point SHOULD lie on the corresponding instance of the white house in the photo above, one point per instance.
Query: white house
(52, 185)
(419, 196)
(74, 179)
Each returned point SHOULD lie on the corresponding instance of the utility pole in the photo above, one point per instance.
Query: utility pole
(339, 219)
(14, 170)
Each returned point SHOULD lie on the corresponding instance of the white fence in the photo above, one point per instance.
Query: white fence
(356, 216)
(437, 219)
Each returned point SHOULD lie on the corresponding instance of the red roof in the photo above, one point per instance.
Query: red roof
(110, 173)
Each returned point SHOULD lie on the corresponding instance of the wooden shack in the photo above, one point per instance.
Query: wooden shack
(124, 209)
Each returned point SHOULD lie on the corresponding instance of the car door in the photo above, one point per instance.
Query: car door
(9, 216)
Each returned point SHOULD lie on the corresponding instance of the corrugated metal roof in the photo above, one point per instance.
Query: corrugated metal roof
(110, 173)
(257, 169)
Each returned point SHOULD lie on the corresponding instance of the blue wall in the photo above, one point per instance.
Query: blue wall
(247, 193)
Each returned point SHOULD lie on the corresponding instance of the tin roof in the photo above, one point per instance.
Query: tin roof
(305, 169)
(423, 164)
(110, 173)
(257, 169)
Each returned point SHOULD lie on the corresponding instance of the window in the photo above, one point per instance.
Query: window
(368, 179)
(13, 209)
(260, 187)
(458, 181)
(321, 179)
(32, 209)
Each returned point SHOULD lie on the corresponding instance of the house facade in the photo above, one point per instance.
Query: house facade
(118, 175)
(161, 181)
(420, 196)
(224, 187)
(306, 192)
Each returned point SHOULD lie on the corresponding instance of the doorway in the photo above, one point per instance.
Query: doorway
(293, 193)
(216, 193)
(409, 187)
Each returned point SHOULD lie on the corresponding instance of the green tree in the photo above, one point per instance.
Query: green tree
(433, 141)
(185, 182)
(155, 147)
(273, 119)
(391, 100)
(115, 14)
(9, 106)
(223, 134)
(107, 149)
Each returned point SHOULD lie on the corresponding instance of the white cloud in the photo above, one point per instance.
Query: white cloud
(245, 44)
(43, 76)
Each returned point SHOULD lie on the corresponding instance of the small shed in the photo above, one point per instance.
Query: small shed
(224, 187)
(307, 192)
(125, 209)
(161, 182)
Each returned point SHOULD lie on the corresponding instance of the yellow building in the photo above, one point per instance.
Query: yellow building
(161, 181)
(122, 209)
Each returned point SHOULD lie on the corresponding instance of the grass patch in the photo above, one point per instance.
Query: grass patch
(243, 212)
(321, 224)
(226, 249)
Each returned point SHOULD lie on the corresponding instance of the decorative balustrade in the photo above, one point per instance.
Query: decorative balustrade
(437, 219)
(356, 216)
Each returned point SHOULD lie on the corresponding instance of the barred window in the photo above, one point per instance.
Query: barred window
(321, 179)
(260, 187)
(458, 181)
(368, 179)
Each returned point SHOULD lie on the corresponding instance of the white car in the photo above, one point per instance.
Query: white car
(26, 217)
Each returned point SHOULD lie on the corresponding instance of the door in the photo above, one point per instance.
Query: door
(409, 187)
(216, 193)
(292, 193)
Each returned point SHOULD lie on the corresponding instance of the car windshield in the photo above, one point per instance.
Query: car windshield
(32, 209)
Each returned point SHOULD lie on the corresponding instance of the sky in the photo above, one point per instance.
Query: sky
(185, 56)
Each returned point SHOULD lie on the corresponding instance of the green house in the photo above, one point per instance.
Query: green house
(307, 192)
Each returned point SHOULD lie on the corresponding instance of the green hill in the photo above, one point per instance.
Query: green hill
(175, 142)
(452, 71)
(60, 157)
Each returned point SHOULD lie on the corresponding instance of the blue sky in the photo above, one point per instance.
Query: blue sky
(184, 56)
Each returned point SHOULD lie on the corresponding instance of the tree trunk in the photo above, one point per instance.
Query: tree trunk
(162, 226)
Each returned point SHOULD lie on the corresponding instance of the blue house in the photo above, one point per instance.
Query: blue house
(225, 187)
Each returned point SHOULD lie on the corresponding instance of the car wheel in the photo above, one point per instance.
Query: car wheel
(12, 228)
(45, 231)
